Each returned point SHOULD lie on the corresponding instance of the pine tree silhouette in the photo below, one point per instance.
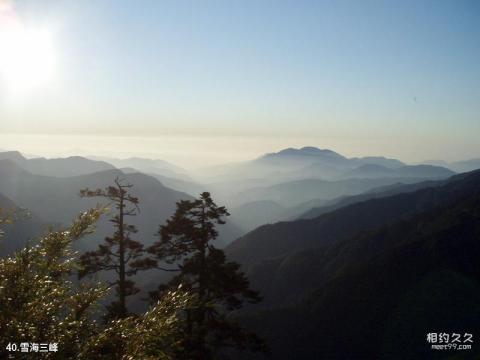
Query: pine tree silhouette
(186, 239)
(119, 252)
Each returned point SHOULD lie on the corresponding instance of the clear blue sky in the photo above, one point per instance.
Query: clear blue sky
(373, 76)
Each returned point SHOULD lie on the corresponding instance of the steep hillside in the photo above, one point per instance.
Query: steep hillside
(350, 298)
(276, 240)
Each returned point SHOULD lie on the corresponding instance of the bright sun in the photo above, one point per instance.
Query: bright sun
(27, 57)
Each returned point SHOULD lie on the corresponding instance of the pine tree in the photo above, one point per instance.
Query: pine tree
(218, 285)
(40, 304)
(119, 252)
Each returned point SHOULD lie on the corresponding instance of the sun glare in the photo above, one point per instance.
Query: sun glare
(27, 57)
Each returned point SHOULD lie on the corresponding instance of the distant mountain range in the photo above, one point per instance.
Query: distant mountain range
(148, 166)
(328, 164)
(457, 166)
(296, 192)
(253, 214)
(342, 285)
(309, 163)
(290, 164)
(287, 201)
(419, 171)
(321, 163)
(60, 167)
(313, 155)
(55, 199)
(380, 192)
(278, 239)
(293, 179)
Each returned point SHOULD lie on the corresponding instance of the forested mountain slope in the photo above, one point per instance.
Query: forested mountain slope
(350, 298)
(280, 239)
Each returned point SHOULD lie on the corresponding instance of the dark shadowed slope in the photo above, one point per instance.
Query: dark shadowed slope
(351, 299)
(276, 240)
(61, 167)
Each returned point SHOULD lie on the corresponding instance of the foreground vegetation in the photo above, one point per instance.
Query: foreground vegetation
(41, 301)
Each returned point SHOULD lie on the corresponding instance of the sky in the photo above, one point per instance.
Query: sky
(202, 82)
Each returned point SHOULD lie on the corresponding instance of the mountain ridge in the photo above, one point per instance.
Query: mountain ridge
(403, 277)
(344, 222)
(56, 167)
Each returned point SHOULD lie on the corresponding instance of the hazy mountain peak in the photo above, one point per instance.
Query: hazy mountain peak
(314, 151)
(305, 151)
